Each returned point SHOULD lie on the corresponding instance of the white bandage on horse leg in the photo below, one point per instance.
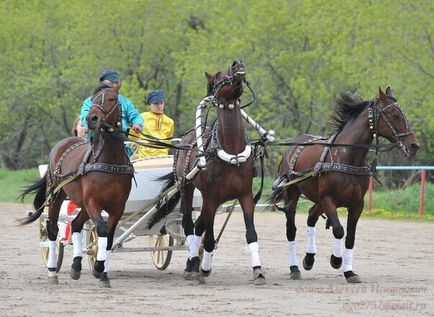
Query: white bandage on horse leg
(106, 262)
(52, 254)
(207, 260)
(102, 249)
(348, 260)
(337, 248)
(76, 241)
(254, 253)
(311, 244)
(193, 243)
(292, 253)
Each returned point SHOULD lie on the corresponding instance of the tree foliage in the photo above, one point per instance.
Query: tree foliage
(299, 55)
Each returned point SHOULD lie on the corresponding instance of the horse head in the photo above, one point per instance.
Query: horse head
(227, 85)
(105, 112)
(389, 120)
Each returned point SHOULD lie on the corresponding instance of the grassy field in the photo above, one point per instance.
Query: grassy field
(398, 204)
(13, 182)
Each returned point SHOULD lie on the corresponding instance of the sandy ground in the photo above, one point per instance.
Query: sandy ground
(395, 260)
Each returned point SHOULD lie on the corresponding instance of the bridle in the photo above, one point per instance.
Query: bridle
(107, 113)
(374, 115)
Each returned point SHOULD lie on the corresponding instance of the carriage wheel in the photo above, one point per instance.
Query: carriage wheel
(43, 237)
(161, 258)
(92, 246)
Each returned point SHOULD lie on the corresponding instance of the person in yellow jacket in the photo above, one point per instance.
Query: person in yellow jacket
(156, 124)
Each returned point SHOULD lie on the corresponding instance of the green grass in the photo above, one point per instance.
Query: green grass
(402, 204)
(13, 182)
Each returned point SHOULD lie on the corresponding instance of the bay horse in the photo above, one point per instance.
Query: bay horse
(340, 176)
(228, 174)
(95, 175)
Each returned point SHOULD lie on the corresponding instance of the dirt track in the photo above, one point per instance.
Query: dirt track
(395, 260)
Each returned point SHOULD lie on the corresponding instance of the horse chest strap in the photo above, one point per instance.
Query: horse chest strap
(342, 168)
(109, 168)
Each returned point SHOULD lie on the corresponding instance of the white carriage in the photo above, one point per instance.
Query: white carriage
(164, 237)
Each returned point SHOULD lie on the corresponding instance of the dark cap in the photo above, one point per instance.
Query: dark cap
(111, 75)
(155, 96)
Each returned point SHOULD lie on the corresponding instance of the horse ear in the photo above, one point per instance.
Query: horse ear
(208, 77)
(389, 92)
(381, 94)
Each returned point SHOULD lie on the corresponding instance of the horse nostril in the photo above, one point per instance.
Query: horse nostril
(414, 146)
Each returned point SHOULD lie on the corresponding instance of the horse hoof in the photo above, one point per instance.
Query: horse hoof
(352, 277)
(53, 279)
(259, 277)
(187, 276)
(96, 274)
(335, 262)
(191, 271)
(295, 273)
(104, 284)
(75, 275)
(205, 273)
(308, 261)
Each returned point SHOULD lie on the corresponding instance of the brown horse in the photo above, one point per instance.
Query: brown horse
(95, 175)
(228, 174)
(340, 175)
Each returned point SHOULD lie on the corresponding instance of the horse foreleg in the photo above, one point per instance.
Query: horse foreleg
(347, 268)
(206, 224)
(76, 227)
(312, 219)
(248, 206)
(338, 233)
(52, 232)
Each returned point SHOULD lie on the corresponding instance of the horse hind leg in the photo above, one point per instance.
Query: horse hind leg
(309, 258)
(76, 227)
(191, 270)
(52, 233)
(291, 230)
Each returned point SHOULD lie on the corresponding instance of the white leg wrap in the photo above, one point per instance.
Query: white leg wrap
(337, 248)
(292, 253)
(102, 249)
(311, 244)
(348, 260)
(106, 263)
(52, 255)
(76, 241)
(193, 243)
(207, 260)
(254, 253)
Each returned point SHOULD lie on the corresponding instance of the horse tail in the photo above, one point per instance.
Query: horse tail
(40, 187)
(165, 207)
(275, 196)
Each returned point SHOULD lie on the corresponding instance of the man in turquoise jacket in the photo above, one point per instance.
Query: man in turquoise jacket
(131, 118)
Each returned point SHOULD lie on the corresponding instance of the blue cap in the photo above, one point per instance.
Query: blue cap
(111, 75)
(155, 96)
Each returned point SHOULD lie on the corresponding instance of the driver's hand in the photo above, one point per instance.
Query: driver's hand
(137, 128)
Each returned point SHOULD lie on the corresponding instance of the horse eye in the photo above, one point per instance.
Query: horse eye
(396, 116)
(111, 99)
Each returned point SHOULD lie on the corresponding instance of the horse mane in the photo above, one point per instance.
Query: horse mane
(347, 107)
(101, 86)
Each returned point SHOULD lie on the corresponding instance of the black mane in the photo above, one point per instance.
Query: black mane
(347, 107)
(101, 86)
